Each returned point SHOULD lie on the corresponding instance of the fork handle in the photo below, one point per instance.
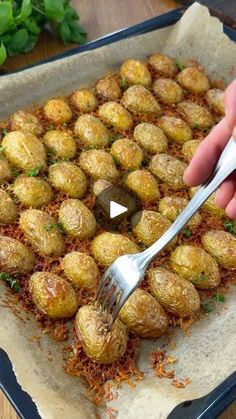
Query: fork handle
(225, 165)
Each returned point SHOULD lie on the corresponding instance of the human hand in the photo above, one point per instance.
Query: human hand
(208, 153)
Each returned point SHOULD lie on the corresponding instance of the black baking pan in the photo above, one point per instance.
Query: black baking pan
(208, 407)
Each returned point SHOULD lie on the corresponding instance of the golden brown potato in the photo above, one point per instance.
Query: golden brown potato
(195, 115)
(42, 232)
(168, 91)
(173, 292)
(84, 100)
(77, 219)
(171, 207)
(32, 192)
(99, 343)
(25, 121)
(140, 101)
(53, 295)
(127, 153)
(150, 137)
(91, 131)
(109, 88)
(61, 144)
(15, 257)
(196, 265)
(222, 246)
(58, 111)
(175, 129)
(163, 64)
(98, 164)
(210, 205)
(68, 178)
(80, 269)
(5, 171)
(189, 149)
(24, 150)
(143, 184)
(168, 169)
(8, 210)
(143, 315)
(107, 247)
(114, 114)
(135, 72)
(194, 80)
(149, 226)
(215, 100)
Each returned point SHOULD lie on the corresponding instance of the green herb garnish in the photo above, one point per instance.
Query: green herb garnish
(196, 126)
(124, 84)
(60, 228)
(51, 127)
(13, 283)
(113, 137)
(51, 157)
(229, 226)
(2, 149)
(15, 172)
(4, 132)
(33, 172)
(187, 232)
(220, 298)
(179, 65)
(49, 226)
(208, 307)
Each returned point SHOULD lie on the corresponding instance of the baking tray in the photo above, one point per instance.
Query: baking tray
(208, 407)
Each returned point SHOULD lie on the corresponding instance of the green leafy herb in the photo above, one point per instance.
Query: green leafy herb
(187, 232)
(220, 298)
(196, 126)
(13, 283)
(51, 127)
(203, 277)
(2, 149)
(124, 84)
(49, 226)
(15, 172)
(4, 131)
(208, 307)
(179, 65)
(33, 172)
(60, 228)
(229, 226)
(113, 137)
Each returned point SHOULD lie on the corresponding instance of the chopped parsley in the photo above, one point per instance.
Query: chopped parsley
(4, 131)
(13, 283)
(49, 226)
(15, 172)
(187, 232)
(2, 149)
(33, 172)
(196, 126)
(220, 298)
(124, 84)
(113, 137)
(51, 127)
(208, 307)
(203, 277)
(60, 228)
(51, 157)
(229, 226)
(179, 65)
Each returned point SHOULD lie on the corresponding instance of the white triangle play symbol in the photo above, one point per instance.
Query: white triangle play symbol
(116, 209)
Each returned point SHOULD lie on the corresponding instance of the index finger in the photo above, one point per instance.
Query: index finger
(230, 105)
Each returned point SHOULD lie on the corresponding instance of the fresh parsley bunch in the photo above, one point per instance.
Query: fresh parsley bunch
(22, 21)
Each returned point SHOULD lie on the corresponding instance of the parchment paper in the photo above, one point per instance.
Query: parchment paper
(208, 355)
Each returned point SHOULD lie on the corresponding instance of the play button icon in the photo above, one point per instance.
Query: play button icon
(116, 209)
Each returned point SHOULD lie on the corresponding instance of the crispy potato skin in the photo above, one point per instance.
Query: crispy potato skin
(109, 88)
(53, 295)
(171, 207)
(196, 265)
(58, 111)
(168, 169)
(32, 192)
(139, 100)
(42, 232)
(135, 72)
(84, 100)
(24, 150)
(150, 137)
(189, 149)
(174, 293)
(15, 257)
(194, 80)
(163, 64)
(25, 121)
(91, 131)
(67, 177)
(210, 205)
(175, 129)
(222, 246)
(168, 91)
(128, 154)
(8, 209)
(107, 247)
(215, 100)
(143, 184)
(77, 219)
(61, 144)
(143, 315)
(80, 269)
(98, 164)
(5, 171)
(114, 114)
(195, 115)
(99, 344)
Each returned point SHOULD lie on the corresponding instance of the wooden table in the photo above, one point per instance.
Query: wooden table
(99, 17)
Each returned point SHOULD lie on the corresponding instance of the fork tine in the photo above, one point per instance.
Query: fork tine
(113, 300)
(110, 291)
(102, 285)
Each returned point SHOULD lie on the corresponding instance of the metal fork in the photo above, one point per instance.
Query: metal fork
(122, 278)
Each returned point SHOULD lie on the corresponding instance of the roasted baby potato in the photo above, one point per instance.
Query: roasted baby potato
(194, 80)
(84, 100)
(42, 232)
(53, 295)
(61, 144)
(80, 269)
(127, 153)
(91, 131)
(215, 100)
(140, 101)
(196, 265)
(77, 219)
(98, 164)
(168, 169)
(5, 171)
(175, 129)
(163, 64)
(109, 88)
(25, 121)
(58, 111)
(172, 206)
(143, 315)
(195, 115)
(150, 137)
(168, 91)
(107, 247)
(99, 343)
(173, 292)
(222, 246)
(210, 205)
(68, 178)
(24, 150)
(189, 149)
(143, 184)
(15, 257)
(8, 210)
(32, 192)
(149, 226)
(114, 114)
(135, 72)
